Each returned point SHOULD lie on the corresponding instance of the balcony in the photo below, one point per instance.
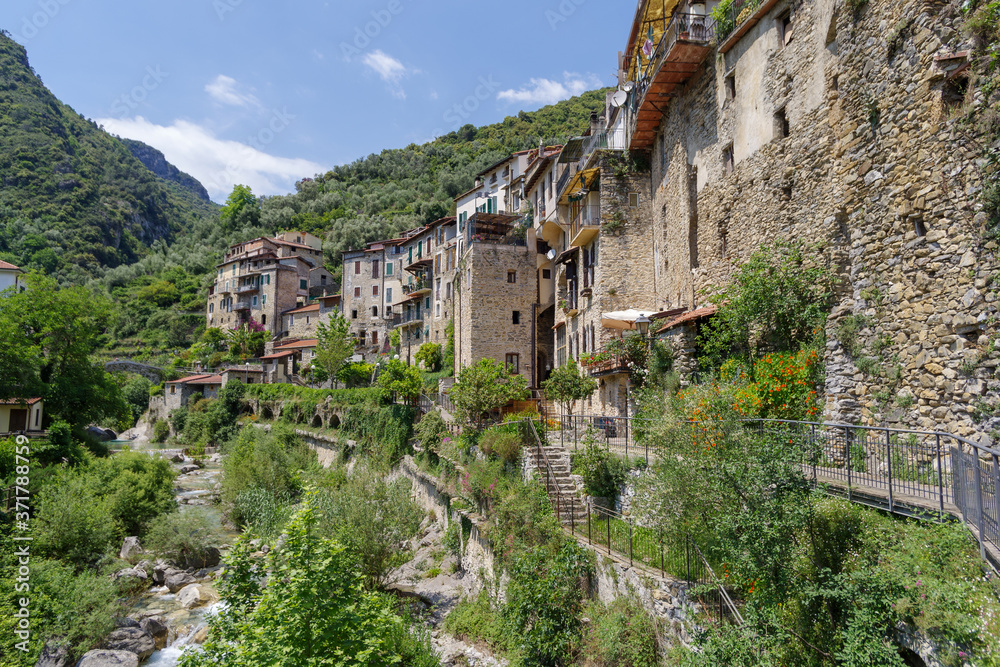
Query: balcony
(409, 319)
(418, 264)
(496, 229)
(604, 365)
(740, 16)
(245, 289)
(585, 225)
(657, 72)
(242, 305)
(417, 288)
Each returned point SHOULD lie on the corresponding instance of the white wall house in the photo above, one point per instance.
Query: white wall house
(10, 275)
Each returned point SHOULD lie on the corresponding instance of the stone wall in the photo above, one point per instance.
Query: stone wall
(877, 173)
(484, 325)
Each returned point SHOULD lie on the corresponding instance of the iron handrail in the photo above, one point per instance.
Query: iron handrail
(723, 593)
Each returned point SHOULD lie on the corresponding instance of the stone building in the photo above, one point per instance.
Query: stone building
(811, 121)
(263, 278)
(497, 294)
(371, 285)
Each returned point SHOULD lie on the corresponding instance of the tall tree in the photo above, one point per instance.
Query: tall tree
(566, 385)
(242, 209)
(335, 346)
(48, 337)
(485, 386)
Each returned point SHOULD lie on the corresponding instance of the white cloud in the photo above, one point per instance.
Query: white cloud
(227, 90)
(389, 70)
(546, 91)
(218, 163)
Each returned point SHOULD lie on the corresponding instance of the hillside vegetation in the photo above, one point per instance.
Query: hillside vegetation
(73, 199)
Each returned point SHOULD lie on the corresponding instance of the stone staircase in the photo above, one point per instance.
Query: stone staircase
(559, 484)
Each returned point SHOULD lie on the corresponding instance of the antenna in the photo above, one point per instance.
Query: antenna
(627, 86)
(618, 99)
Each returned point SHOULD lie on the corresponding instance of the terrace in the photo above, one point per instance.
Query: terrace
(667, 45)
(495, 229)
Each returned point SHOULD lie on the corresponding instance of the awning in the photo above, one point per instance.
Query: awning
(691, 316)
(580, 182)
(624, 319)
(567, 255)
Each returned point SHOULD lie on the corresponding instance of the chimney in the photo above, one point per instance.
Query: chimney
(594, 125)
(541, 148)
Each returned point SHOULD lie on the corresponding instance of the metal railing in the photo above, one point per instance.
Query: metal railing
(568, 173)
(612, 141)
(585, 216)
(624, 436)
(922, 474)
(416, 286)
(734, 16)
(625, 540)
(247, 288)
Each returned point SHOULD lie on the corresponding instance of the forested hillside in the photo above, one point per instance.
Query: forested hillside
(73, 199)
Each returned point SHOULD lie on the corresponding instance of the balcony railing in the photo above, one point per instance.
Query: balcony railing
(242, 305)
(568, 173)
(418, 286)
(504, 234)
(585, 225)
(612, 141)
(243, 289)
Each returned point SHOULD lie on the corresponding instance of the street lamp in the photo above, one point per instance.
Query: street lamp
(642, 324)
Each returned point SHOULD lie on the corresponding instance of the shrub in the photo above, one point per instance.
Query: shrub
(261, 511)
(378, 545)
(504, 445)
(621, 634)
(603, 473)
(183, 537)
(269, 461)
(476, 619)
(161, 430)
(73, 523)
(430, 355)
(136, 487)
(430, 430)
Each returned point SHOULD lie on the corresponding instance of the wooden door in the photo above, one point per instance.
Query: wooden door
(18, 420)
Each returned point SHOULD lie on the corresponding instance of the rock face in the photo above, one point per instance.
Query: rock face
(157, 628)
(53, 655)
(130, 549)
(155, 161)
(209, 558)
(134, 640)
(103, 658)
(177, 579)
(130, 573)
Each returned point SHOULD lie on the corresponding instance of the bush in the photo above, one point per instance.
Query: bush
(430, 430)
(378, 545)
(183, 537)
(603, 473)
(161, 430)
(261, 511)
(72, 522)
(137, 488)
(504, 445)
(476, 619)
(267, 461)
(621, 634)
(430, 355)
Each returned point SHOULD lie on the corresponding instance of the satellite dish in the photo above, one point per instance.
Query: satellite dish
(619, 99)
(627, 86)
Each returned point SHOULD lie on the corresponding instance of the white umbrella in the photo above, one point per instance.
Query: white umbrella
(624, 319)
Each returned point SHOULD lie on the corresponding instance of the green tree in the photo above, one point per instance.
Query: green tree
(776, 302)
(400, 379)
(312, 611)
(430, 355)
(566, 385)
(136, 394)
(334, 348)
(242, 209)
(246, 342)
(49, 335)
(483, 387)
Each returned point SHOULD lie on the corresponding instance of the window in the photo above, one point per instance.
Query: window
(291, 321)
(633, 200)
(447, 291)
(263, 300)
(307, 319)
(388, 295)
(374, 290)
(357, 292)
(255, 301)
(374, 311)
(513, 362)
(546, 274)
(780, 124)
(439, 310)
(263, 318)
(357, 268)
(375, 273)
(512, 277)
(354, 314)
(374, 338)
(268, 276)
(173, 389)
(211, 307)
(784, 29)
(730, 87)
(361, 337)
(427, 303)
(516, 317)
(303, 284)
(728, 161)
(322, 280)
(388, 268)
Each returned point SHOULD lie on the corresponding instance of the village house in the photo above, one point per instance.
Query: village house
(22, 415)
(177, 393)
(261, 279)
(10, 276)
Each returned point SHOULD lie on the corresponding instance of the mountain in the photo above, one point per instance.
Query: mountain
(73, 199)
(155, 161)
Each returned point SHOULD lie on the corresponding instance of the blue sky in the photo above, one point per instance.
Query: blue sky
(265, 93)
